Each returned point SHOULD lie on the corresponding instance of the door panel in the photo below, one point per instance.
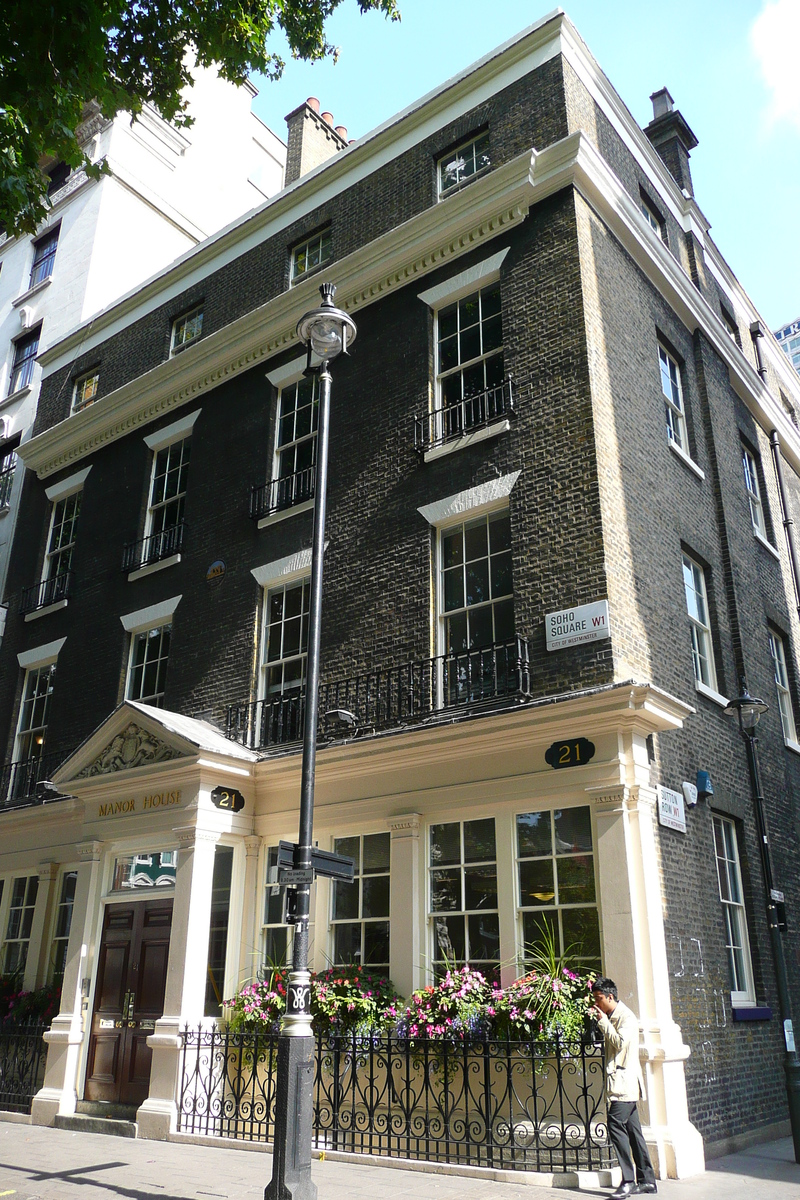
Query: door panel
(129, 999)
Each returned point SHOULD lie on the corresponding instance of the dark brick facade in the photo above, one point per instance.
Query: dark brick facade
(602, 507)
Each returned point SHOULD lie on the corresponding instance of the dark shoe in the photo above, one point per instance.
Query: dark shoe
(646, 1189)
(624, 1189)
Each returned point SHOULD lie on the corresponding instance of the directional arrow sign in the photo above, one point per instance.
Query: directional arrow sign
(323, 862)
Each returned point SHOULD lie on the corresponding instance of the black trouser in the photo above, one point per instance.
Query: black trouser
(627, 1138)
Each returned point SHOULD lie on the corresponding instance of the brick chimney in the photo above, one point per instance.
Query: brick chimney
(672, 138)
(312, 139)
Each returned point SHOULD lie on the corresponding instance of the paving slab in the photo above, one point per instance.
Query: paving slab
(62, 1164)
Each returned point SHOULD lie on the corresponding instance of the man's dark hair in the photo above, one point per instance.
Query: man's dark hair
(606, 986)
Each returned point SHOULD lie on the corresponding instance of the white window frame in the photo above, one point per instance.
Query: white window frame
(674, 404)
(295, 581)
(186, 329)
(8, 466)
(753, 490)
(321, 242)
(464, 912)
(40, 658)
(470, 416)
(49, 237)
(67, 904)
(473, 147)
(28, 906)
(702, 638)
(296, 495)
(56, 554)
(443, 684)
(143, 622)
(785, 707)
(362, 921)
(556, 907)
(84, 391)
(27, 365)
(736, 935)
(653, 219)
(164, 439)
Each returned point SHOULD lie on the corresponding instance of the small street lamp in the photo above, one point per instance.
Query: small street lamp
(748, 711)
(327, 331)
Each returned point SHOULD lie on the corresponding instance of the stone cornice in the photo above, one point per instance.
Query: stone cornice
(482, 212)
(446, 231)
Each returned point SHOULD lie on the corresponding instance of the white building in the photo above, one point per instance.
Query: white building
(167, 189)
(789, 339)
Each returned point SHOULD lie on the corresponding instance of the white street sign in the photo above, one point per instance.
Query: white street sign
(571, 626)
(670, 809)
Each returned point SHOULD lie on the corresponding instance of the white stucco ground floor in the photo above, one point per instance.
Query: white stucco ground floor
(153, 894)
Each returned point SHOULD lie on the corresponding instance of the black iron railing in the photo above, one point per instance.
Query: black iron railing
(445, 425)
(503, 1104)
(18, 780)
(49, 591)
(280, 494)
(23, 1053)
(154, 548)
(380, 699)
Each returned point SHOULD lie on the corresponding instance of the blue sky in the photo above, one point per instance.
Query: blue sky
(733, 68)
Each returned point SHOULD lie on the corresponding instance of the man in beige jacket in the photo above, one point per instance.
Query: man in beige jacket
(624, 1087)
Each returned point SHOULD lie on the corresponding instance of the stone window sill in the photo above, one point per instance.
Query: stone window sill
(42, 612)
(33, 291)
(711, 694)
(274, 518)
(151, 568)
(20, 394)
(767, 545)
(686, 460)
(480, 435)
(790, 745)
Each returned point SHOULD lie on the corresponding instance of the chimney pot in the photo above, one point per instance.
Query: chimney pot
(328, 118)
(662, 103)
(342, 132)
(313, 102)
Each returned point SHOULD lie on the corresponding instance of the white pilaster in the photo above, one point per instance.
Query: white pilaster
(635, 956)
(405, 915)
(184, 998)
(65, 1036)
(249, 950)
(38, 946)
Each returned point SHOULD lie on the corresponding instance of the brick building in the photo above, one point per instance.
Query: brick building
(560, 397)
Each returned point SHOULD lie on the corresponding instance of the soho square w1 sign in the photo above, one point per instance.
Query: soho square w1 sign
(571, 626)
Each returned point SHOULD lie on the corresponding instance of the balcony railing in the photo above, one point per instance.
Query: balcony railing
(154, 548)
(381, 699)
(18, 780)
(49, 591)
(280, 494)
(445, 425)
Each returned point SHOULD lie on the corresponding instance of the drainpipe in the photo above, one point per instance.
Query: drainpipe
(788, 523)
(757, 333)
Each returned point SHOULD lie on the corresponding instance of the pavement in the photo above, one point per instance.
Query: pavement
(59, 1164)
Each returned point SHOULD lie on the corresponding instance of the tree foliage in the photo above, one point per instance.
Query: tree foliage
(60, 56)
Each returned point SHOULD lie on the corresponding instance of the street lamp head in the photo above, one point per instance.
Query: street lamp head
(747, 708)
(327, 330)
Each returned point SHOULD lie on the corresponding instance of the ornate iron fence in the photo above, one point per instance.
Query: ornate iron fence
(23, 1052)
(507, 1104)
(390, 696)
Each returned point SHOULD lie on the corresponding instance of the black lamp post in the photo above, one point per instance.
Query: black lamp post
(749, 711)
(327, 331)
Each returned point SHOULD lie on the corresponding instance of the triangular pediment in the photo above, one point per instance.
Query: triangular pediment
(137, 736)
(135, 746)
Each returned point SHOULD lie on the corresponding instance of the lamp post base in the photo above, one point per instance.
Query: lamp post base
(291, 1151)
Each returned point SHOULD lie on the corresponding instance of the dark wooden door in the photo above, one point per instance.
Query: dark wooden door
(129, 999)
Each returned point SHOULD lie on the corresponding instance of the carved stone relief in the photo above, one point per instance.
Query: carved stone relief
(134, 747)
